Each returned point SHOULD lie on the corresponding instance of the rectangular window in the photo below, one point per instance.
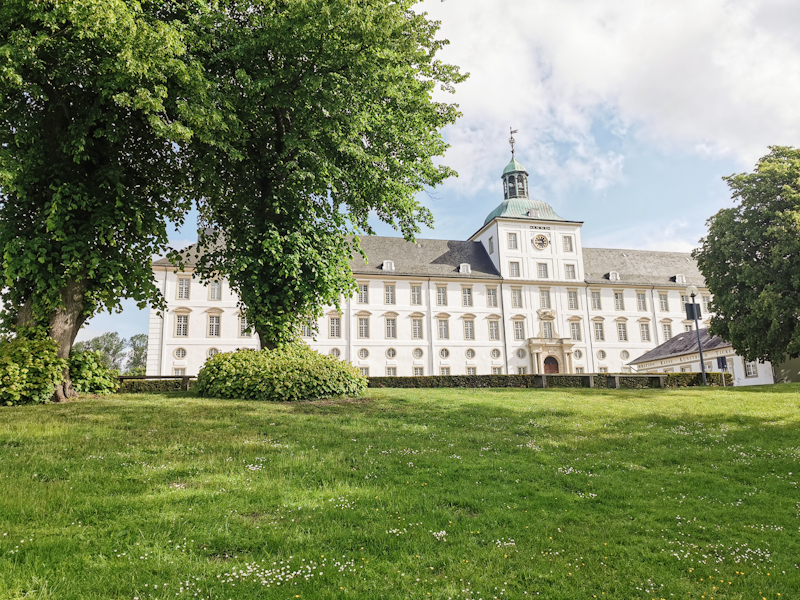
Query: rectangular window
(466, 296)
(572, 300)
(687, 328)
(177, 371)
(419, 371)
(667, 329)
(363, 327)
(472, 371)
(619, 301)
(683, 370)
(444, 329)
(570, 271)
(491, 297)
(641, 301)
(706, 304)
(514, 269)
(391, 328)
(622, 332)
(183, 288)
(181, 325)
(596, 304)
(579, 370)
(512, 241)
(750, 369)
(684, 302)
(599, 335)
(663, 301)
(469, 329)
(306, 330)
(391, 371)
(336, 327)
(575, 330)
(516, 298)
(213, 325)
(547, 329)
(444, 370)
(363, 293)
(388, 294)
(544, 298)
(522, 370)
(541, 269)
(215, 290)
(519, 330)
(491, 245)
(567, 243)
(494, 330)
(416, 295)
(416, 329)
(364, 371)
(644, 328)
(441, 296)
(497, 370)
(602, 370)
(244, 328)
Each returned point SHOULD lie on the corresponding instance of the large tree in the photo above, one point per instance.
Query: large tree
(110, 346)
(751, 260)
(94, 100)
(330, 117)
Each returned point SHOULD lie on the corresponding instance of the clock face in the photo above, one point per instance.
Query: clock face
(540, 242)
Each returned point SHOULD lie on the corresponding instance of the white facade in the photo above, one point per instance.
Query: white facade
(521, 296)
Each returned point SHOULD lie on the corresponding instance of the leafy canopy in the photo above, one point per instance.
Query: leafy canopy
(751, 260)
(329, 117)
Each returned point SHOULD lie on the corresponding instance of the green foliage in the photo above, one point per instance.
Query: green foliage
(751, 260)
(137, 359)
(109, 346)
(145, 386)
(601, 381)
(313, 147)
(29, 371)
(89, 373)
(695, 379)
(292, 372)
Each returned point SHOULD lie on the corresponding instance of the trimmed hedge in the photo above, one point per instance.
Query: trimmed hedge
(293, 372)
(145, 386)
(30, 370)
(694, 379)
(463, 381)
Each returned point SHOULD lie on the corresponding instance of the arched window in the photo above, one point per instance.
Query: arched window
(512, 187)
(521, 186)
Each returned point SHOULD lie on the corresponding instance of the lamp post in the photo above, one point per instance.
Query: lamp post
(693, 312)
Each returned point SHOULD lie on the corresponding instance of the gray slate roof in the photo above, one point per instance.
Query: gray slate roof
(641, 267)
(685, 343)
(428, 258)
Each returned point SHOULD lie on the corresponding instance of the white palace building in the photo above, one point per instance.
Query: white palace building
(521, 295)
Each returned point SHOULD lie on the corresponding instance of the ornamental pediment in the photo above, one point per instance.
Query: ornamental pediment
(546, 315)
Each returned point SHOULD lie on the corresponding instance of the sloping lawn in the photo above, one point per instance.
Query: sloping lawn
(405, 494)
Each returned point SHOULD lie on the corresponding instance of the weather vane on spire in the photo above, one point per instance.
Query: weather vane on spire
(511, 140)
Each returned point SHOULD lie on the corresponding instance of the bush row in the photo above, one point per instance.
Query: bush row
(145, 386)
(694, 379)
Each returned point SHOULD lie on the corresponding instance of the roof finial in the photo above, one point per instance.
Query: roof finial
(511, 140)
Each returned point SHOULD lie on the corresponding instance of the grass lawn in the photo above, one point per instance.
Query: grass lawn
(405, 494)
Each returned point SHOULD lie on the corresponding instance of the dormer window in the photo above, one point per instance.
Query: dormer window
(464, 268)
(680, 278)
(613, 276)
(388, 265)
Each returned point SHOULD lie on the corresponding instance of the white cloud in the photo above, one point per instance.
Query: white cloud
(717, 78)
(675, 236)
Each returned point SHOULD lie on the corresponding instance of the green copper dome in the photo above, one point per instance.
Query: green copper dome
(514, 165)
(524, 208)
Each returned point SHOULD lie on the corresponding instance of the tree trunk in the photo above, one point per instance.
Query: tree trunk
(265, 345)
(63, 325)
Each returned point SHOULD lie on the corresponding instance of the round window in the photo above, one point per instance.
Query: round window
(391, 353)
(601, 354)
(180, 353)
(444, 353)
(212, 352)
(495, 353)
(470, 353)
(363, 353)
(417, 352)
(625, 355)
(521, 353)
(336, 352)
(578, 354)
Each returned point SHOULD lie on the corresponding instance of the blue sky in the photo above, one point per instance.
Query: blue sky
(629, 114)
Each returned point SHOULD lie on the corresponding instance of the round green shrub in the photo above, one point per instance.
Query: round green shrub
(293, 372)
(90, 375)
(30, 370)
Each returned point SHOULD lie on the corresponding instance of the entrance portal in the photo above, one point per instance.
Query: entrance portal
(550, 366)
